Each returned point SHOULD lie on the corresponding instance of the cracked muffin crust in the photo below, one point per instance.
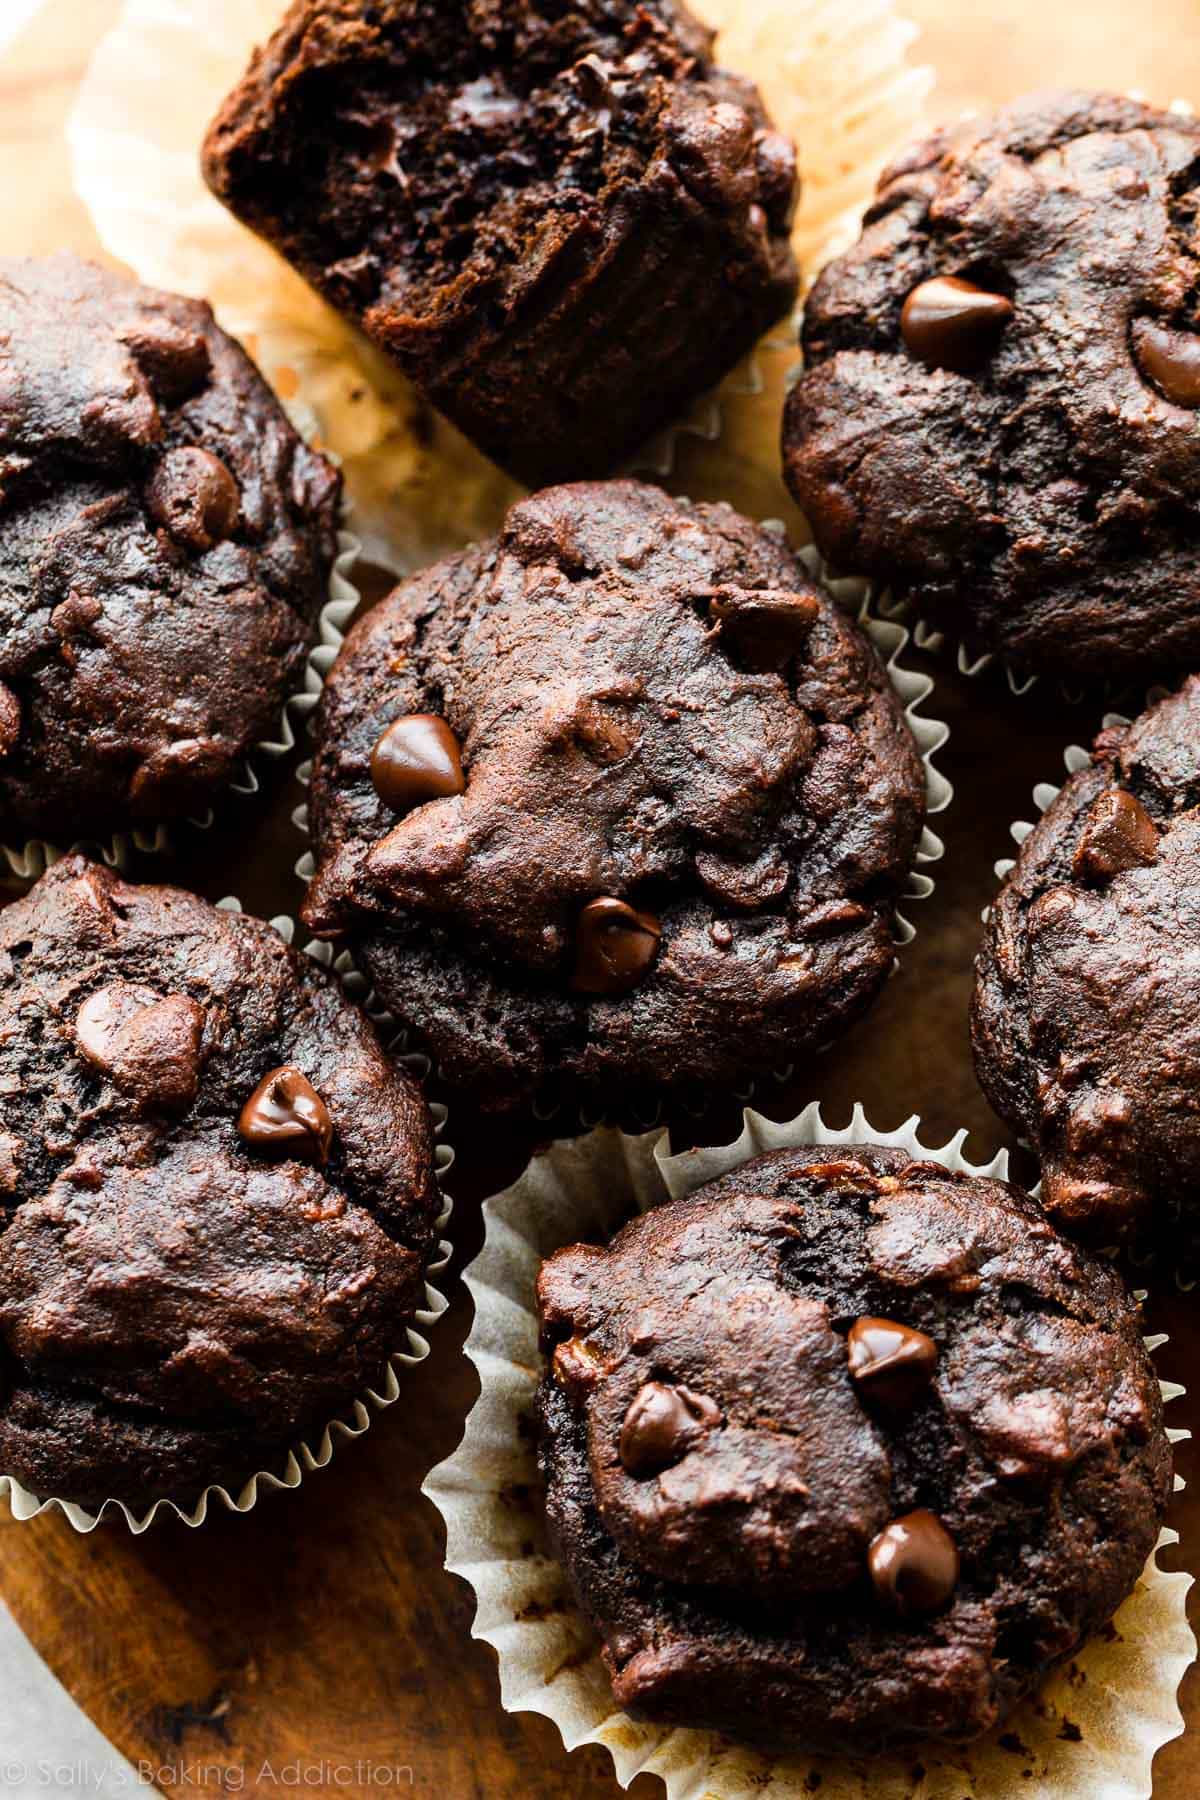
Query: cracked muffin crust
(998, 416)
(842, 1451)
(217, 1197)
(616, 800)
(1087, 996)
(563, 222)
(165, 547)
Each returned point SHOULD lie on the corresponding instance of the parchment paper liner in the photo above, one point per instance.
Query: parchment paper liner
(835, 74)
(914, 688)
(30, 860)
(1121, 1694)
(360, 1409)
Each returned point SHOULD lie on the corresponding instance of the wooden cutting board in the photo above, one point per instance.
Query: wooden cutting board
(321, 1630)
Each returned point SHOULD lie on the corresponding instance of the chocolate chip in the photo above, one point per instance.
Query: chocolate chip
(10, 720)
(147, 1044)
(1170, 359)
(662, 1424)
(193, 496)
(174, 360)
(948, 323)
(285, 1113)
(417, 759)
(1118, 834)
(914, 1565)
(578, 1365)
(764, 627)
(614, 947)
(775, 159)
(890, 1363)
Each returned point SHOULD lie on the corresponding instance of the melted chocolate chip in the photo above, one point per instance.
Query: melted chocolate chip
(914, 1565)
(174, 359)
(948, 323)
(1118, 834)
(285, 1113)
(1170, 359)
(890, 1363)
(578, 1365)
(417, 759)
(663, 1423)
(10, 720)
(147, 1044)
(194, 497)
(614, 947)
(766, 627)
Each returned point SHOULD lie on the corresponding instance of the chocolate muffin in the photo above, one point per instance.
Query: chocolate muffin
(217, 1197)
(617, 800)
(999, 412)
(843, 1452)
(563, 222)
(1087, 996)
(165, 547)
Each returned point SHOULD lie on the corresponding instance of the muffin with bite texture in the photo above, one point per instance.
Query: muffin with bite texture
(617, 802)
(843, 1452)
(563, 222)
(166, 541)
(217, 1197)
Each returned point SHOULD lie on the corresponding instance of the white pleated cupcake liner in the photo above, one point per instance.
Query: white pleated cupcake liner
(1118, 1694)
(835, 74)
(314, 1453)
(31, 859)
(890, 641)
(1075, 759)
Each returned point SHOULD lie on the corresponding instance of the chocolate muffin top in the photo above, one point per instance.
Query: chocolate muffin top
(619, 798)
(843, 1451)
(563, 222)
(216, 1193)
(999, 413)
(165, 545)
(1086, 1015)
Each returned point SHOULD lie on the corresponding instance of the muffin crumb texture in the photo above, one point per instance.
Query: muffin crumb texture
(165, 547)
(1087, 995)
(843, 1451)
(563, 223)
(998, 416)
(618, 800)
(216, 1195)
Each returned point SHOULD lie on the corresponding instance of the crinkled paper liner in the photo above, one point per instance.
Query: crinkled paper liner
(30, 860)
(306, 1457)
(1091, 1732)
(835, 74)
(914, 688)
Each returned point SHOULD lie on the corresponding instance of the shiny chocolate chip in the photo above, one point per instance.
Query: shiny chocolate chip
(1170, 359)
(194, 498)
(614, 947)
(417, 759)
(147, 1044)
(10, 720)
(663, 1423)
(948, 323)
(914, 1565)
(765, 628)
(890, 1364)
(286, 1115)
(1118, 834)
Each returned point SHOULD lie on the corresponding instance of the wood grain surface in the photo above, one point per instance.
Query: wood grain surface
(321, 1629)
